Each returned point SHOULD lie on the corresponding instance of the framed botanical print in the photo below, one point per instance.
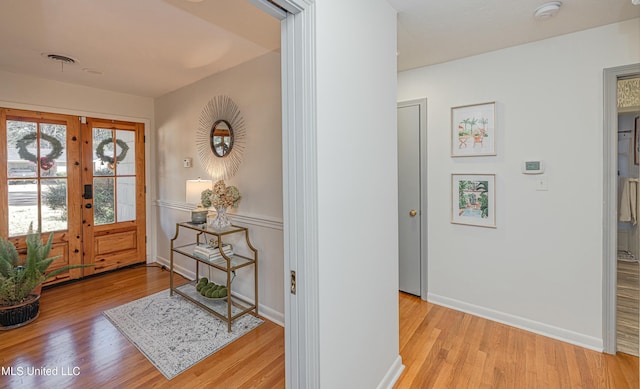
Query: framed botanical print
(473, 130)
(473, 199)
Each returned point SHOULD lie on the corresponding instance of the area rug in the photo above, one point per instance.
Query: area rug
(173, 333)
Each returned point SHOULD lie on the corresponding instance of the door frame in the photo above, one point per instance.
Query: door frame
(300, 202)
(610, 201)
(422, 107)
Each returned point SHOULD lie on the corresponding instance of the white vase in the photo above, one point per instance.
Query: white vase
(221, 220)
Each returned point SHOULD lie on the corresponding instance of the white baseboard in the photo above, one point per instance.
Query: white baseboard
(263, 310)
(392, 374)
(557, 333)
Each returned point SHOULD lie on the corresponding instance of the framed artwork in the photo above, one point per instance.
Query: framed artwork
(473, 199)
(636, 141)
(473, 130)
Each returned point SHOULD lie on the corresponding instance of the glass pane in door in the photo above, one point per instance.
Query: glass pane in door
(23, 206)
(22, 149)
(54, 204)
(126, 198)
(103, 152)
(125, 153)
(53, 156)
(103, 201)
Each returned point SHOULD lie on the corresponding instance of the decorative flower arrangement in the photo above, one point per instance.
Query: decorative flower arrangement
(221, 197)
(224, 196)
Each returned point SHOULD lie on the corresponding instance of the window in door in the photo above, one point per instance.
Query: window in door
(36, 175)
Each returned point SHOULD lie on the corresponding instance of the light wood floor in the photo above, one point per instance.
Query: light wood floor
(628, 307)
(440, 348)
(72, 332)
(443, 348)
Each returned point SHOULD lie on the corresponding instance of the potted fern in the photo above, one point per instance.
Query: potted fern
(22, 278)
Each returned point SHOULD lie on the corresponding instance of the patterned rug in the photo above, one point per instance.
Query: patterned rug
(173, 333)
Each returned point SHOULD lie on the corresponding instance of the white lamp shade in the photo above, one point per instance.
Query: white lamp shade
(195, 188)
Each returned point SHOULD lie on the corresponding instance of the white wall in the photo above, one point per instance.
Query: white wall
(255, 87)
(20, 91)
(541, 268)
(357, 193)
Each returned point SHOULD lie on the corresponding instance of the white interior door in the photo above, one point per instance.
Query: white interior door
(409, 206)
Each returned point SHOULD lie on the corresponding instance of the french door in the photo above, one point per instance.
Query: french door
(113, 194)
(82, 182)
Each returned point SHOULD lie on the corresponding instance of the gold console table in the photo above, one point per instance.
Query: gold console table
(232, 307)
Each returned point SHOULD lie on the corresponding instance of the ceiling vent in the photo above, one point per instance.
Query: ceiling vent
(60, 58)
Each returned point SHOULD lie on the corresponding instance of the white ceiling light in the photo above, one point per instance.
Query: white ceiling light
(635, 2)
(547, 10)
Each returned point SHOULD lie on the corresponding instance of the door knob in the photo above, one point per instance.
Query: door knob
(413, 213)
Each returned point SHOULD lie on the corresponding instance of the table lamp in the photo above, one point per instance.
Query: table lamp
(194, 191)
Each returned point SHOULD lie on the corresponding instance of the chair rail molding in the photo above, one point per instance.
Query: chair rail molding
(255, 220)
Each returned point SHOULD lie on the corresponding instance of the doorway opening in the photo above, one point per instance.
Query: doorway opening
(620, 233)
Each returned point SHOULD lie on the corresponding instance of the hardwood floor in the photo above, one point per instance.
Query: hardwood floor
(443, 348)
(71, 332)
(628, 307)
(440, 347)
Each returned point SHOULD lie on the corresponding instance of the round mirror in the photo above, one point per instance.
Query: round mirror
(221, 138)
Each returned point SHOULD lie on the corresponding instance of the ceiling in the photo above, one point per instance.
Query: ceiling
(140, 47)
(152, 47)
(431, 32)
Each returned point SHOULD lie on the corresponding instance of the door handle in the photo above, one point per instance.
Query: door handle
(413, 213)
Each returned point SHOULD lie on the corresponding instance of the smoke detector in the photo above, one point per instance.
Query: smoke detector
(547, 10)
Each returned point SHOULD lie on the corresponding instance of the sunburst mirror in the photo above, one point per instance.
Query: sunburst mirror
(220, 137)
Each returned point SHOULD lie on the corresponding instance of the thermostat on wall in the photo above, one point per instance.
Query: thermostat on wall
(532, 167)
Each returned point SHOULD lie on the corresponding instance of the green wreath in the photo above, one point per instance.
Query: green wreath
(45, 162)
(124, 148)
